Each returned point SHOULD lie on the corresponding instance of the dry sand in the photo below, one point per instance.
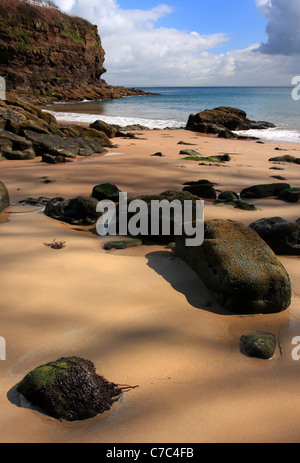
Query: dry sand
(141, 315)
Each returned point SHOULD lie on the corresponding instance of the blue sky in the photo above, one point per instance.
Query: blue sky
(196, 42)
(241, 21)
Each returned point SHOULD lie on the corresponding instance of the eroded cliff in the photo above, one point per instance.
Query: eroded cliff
(47, 54)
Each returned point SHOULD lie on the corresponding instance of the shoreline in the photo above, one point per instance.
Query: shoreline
(160, 124)
(141, 315)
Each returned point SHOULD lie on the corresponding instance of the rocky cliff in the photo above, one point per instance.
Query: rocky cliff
(49, 55)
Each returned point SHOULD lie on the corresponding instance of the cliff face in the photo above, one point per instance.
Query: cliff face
(46, 53)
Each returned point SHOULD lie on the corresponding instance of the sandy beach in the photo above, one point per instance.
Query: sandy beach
(141, 315)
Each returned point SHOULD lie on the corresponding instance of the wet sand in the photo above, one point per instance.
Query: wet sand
(142, 316)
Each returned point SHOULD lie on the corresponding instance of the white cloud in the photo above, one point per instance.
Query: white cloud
(139, 53)
(283, 26)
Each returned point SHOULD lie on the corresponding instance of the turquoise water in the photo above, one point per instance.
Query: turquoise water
(173, 105)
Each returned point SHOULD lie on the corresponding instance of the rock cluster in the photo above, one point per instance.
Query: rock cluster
(26, 132)
(223, 121)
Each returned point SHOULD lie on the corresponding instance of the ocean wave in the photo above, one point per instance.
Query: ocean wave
(274, 134)
(117, 120)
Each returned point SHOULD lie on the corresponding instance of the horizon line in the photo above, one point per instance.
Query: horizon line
(207, 86)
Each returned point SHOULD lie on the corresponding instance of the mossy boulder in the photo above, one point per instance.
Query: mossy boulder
(228, 196)
(101, 137)
(258, 345)
(69, 389)
(4, 197)
(199, 182)
(106, 191)
(231, 198)
(239, 268)
(240, 204)
(102, 126)
(290, 195)
(77, 211)
(264, 191)
(190, 153)
(283, 236)
(50, 159)
(202, 190)
(164, 220)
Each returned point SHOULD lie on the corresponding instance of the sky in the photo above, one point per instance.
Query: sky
(196, 42)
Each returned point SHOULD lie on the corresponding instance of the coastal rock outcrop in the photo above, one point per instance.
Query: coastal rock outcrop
(4, 197)
(70, 389)
(239, 268)
(223, 121)
(283, 236)
(27, 132)
(48, 55)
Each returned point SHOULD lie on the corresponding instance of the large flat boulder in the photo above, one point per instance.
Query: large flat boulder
(285, 158)
(239, 268)
(264, 191)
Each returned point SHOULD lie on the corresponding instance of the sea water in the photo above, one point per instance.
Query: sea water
(171, 107)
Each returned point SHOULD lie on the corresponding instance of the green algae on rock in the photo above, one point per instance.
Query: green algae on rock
(231, 198)
(69, 389)
(239, 268)
(106, 191)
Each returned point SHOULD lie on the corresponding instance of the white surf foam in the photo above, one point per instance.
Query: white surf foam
(121, 121)
(274, 134)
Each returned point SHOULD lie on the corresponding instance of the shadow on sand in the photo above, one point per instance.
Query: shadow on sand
(184, 280)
